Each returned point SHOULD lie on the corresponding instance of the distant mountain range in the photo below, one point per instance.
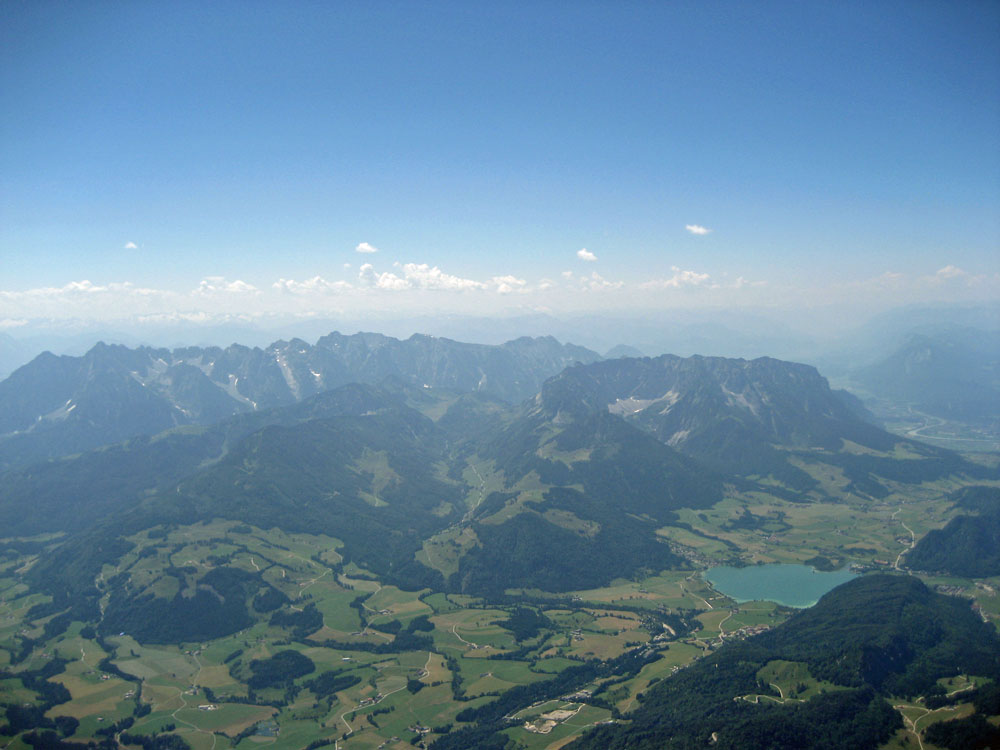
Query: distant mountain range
(496, 472)
(954, 374)
(462, 491)
(55, 406)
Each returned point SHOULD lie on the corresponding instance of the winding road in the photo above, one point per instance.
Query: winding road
(350, 729)
(913, 539)
(454, 632)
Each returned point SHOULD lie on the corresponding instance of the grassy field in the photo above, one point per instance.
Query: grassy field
(553, 724)
(403, 694)
(792, 680)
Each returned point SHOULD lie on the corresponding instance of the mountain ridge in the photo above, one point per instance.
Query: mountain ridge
(758, 419)
(61, 405)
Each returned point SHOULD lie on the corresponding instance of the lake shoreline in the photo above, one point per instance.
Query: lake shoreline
(790, 585)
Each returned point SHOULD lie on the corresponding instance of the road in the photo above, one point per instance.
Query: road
(482, 492)
(458, 524)
(455, 633)
(722, 633)
(350, 730)
(913, 539)
(915, 432)
(184, 704)
(686, 591)
(911, 724)
(757, 696)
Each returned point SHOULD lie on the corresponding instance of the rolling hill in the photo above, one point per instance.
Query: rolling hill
(970, 544)
(871, 642)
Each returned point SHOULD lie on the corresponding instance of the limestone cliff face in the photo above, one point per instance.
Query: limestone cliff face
(684, 400)
(54, 406)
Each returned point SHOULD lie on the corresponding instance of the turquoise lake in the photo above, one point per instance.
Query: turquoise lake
(790, 585)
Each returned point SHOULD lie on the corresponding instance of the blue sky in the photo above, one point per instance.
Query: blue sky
(231, 157)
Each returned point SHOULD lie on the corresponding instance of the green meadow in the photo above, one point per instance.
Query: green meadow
(463, 652)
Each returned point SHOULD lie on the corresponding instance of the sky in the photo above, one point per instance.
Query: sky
(257, 158)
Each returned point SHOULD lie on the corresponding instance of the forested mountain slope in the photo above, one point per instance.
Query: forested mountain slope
(70, 494)
(872, 641)
(970, 544)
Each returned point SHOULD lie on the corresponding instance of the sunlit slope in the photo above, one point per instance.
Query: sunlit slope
(760, 418)
(876, 642)
(576, 503)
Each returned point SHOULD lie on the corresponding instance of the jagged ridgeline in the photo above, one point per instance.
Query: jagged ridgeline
(460, 492)
(72, 494)
(55, 406)
(446, 546)
(760, 418)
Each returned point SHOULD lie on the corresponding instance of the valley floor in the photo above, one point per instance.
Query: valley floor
(369, 687)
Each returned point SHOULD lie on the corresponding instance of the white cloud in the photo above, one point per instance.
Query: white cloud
(315, 285)
(365, 248)
(82, 300)
(131, 246)
(950, 272)
(416, 276)
(78, 289)
(426, 277)
(697, 229)
(200, 316)
(678, 280)
(585, 254)
(594, 282)
(219, 285)
(953, 277)
(597, 283)
(508, 284)
(73, 287)
(742, 282)
(545, 284)
(368, 276)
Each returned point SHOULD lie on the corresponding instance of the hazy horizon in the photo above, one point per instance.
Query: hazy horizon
(819, 164)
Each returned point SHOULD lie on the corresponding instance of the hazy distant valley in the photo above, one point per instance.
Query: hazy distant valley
(374, 542)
